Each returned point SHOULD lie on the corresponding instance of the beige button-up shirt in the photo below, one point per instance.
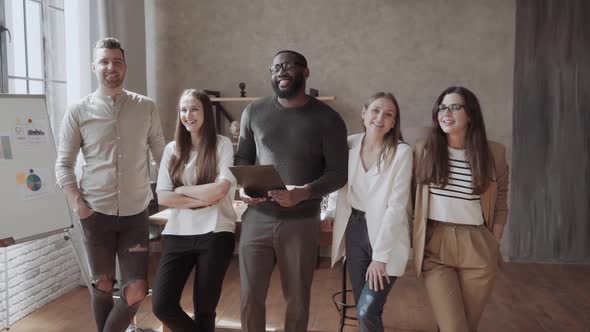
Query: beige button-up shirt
(114, 138)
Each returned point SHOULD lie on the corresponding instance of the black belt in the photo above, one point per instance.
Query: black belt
(356, 212)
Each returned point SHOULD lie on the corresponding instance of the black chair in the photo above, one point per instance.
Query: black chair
(341, 305)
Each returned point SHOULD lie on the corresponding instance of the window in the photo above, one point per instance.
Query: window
(33, 53)
(32, 57)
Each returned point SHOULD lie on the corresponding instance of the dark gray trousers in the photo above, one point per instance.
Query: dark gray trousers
(105, 238)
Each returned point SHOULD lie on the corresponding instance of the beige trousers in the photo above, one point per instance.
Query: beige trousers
(460, 264)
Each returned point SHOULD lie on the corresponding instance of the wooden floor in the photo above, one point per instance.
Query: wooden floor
(527, 297)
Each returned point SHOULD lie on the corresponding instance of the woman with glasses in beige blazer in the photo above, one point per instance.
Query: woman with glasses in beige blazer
(460, 210)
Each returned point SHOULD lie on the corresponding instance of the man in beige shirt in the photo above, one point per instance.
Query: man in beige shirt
(113, 128)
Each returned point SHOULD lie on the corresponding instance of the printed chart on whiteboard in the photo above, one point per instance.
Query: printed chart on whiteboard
(32, 203)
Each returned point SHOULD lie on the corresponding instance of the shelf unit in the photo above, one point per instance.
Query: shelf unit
(247, 99)
(220, 111)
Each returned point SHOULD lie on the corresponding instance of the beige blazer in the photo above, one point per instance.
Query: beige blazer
(388, 209)
(493, 201)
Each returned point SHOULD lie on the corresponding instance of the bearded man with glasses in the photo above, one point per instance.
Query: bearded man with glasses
(305, 140)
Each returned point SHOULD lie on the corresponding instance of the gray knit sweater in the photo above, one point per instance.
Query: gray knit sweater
(307, 145)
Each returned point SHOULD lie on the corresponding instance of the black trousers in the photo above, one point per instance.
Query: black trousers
(209, 254)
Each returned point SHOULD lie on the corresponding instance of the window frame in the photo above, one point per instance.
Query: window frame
(3, 53)
(45, 6)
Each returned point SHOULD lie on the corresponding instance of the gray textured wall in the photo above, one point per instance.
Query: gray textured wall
(413, 48)
(551, 162)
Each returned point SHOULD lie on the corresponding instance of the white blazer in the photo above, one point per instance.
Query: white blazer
(388, 209)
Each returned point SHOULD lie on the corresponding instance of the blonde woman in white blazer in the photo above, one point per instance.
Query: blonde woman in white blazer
(369, 216)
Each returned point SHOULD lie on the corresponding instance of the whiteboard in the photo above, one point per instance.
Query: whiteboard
(31, 203)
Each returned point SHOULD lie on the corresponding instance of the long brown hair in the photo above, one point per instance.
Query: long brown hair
(434, 166)
(206, 167)
(394, 135)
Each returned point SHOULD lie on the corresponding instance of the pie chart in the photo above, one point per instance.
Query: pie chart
(33, 181)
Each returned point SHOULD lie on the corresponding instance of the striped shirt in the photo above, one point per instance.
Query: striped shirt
(456, 202)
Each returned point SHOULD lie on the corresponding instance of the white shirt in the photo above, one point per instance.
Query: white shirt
(362, 182)
(219, 217)
(456, 203)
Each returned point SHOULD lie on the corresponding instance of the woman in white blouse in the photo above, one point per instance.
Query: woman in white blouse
(369, 216)
(195, 182)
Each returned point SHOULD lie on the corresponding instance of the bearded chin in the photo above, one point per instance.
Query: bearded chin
(285, 94)
(292, 91)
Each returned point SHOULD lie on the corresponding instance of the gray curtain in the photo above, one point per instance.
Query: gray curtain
(124, 20)
(550, 192)
(56, 98)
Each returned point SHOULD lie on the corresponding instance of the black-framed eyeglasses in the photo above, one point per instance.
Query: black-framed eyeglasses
(275, 69)
(452, 107)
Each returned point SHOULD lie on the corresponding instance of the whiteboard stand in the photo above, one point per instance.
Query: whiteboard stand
(32, 203)
(67, 237)
(32, 206)
(85, 276)
(6, 324)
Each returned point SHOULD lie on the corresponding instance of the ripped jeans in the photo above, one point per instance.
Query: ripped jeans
(105, 238)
